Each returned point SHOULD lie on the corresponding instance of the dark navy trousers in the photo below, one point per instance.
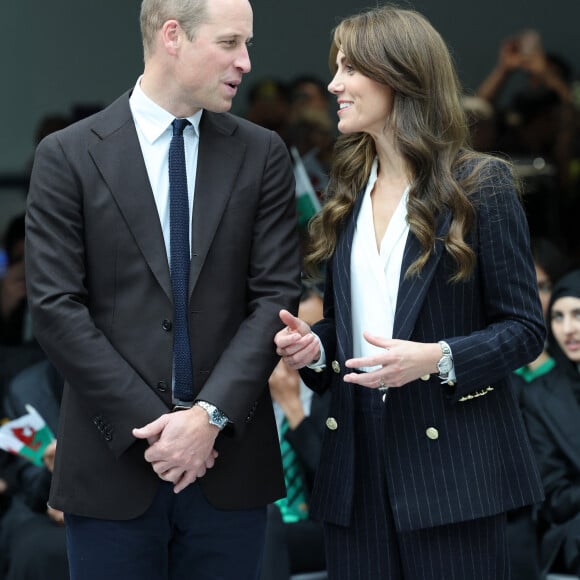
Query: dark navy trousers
(180, 537)
(372, 549)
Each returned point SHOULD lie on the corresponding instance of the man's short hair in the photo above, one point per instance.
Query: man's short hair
(154, 13)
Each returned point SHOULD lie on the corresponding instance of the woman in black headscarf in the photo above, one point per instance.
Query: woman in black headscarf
(551, 406)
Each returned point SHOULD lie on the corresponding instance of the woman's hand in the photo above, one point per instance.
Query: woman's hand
(296, 343)
(400, 362)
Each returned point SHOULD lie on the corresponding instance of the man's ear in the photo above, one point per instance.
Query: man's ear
(171, 34)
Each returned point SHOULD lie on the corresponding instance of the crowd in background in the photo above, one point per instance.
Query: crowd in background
(525, 110)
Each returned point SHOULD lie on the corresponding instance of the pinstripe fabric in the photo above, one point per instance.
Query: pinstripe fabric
(480, 464)
(371, 548)
(474, 550)
(368, 547)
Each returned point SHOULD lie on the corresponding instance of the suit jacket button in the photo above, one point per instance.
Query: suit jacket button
(335, 366)
(166, 325)
(162, 386)
(331, 423)
(425, 377)
(432, 433)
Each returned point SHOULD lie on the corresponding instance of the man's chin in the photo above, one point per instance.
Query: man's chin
(222, 106)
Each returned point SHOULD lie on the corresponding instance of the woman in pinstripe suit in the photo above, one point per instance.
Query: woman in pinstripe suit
(431, 301)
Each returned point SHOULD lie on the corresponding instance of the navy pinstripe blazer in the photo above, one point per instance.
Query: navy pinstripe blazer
(481, 462)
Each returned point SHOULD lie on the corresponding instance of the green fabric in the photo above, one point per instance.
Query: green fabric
(529, 374)
(293, 507)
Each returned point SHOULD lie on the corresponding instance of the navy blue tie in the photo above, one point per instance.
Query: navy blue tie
(180, 259)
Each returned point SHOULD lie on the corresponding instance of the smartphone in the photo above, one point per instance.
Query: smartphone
(530, 42)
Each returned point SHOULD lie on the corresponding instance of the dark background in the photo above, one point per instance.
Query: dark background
(56, 55)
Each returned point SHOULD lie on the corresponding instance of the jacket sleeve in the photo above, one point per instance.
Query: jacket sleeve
(514, 330)
(325, 329)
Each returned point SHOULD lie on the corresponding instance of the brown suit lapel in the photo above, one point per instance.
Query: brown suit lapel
(129, 185)
(220, 157)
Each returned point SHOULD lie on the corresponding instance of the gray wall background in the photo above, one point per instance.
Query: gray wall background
(58, 53)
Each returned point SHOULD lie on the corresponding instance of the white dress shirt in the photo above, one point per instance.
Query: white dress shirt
(154, 130)
(153, 124)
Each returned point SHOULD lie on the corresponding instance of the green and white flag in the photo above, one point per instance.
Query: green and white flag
(307, 204)
(27, 436)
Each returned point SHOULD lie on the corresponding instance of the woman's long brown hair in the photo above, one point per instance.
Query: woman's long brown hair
(399, 48)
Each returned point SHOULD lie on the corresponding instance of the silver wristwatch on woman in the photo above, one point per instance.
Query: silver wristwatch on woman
(445, 364)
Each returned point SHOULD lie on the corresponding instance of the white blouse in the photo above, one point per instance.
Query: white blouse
(375, 274)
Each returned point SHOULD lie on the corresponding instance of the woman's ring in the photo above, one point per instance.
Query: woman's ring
(382, 385)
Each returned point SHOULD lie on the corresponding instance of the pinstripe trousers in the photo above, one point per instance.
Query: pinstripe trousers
(371, 548)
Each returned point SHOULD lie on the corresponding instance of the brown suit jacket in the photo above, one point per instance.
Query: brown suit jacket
(100, 296)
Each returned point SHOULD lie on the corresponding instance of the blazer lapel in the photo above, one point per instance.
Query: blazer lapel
(220, 157)
(129, 184)
(341, 281)
(413, 289)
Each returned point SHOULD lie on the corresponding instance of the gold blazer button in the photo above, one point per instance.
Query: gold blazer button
(425, 377)
(331, 423)
(335, 366)
(432, 433)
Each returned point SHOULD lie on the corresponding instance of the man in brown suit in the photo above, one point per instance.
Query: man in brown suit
(132, 477)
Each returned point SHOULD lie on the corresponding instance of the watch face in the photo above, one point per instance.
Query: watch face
(218, 419)
(445, 365)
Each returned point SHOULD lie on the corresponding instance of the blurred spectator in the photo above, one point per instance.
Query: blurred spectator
(18, 348)
(525, 53)
(552, 413)
(14, 325)
(308, 92)
(294, 542)
(539, 120)
(312, 132)
(482, 123)
(537, 126)
(269, 105)
(32, 537)
(551, 263)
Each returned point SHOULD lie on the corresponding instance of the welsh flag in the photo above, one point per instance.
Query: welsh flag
(27, 436)
(307, 204)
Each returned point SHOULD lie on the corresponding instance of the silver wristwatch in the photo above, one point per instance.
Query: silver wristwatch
(216, 417)
(445, 364)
